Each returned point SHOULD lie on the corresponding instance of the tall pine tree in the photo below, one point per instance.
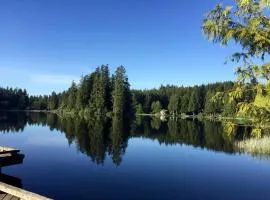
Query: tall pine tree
(121, 93)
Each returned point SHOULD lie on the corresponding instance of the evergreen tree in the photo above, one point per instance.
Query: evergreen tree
(53, 101)
(84, 91)
(210, 105)
(193, 105)
(107, 86)
(100, 95)
(185, 103)
(174, 105)
(121, 93)
(72, 96)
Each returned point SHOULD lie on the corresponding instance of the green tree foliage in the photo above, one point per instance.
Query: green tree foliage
(178, 100)
(194, 103)
(210, 106)
(63, 100)
(84, 91)
(248, 25)
(100, 96)
(174, 104)
(53, 101)
(23, 99)
(38, 102)
(185, 103)
(13, 99)
(156, 107)
(121, 93)
(96, 95)
(230, 108)
(72, 96)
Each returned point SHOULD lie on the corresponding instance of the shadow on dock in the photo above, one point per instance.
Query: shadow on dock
(11, 180)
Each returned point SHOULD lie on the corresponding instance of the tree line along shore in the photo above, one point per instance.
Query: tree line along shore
(102, 94)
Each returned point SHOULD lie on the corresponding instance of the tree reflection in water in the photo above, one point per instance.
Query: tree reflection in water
(109, 137)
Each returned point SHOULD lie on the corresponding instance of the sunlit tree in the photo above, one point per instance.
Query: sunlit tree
(248, 24)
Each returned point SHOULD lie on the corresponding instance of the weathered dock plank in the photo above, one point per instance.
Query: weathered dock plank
(4, 196)
(8, 197)
(20, 193)
(15, 198)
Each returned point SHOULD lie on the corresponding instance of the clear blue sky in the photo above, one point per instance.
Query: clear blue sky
(45, 44)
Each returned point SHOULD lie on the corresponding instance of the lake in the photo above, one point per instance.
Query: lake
(140, 159)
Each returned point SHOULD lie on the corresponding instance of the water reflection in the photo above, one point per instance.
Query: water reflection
(12, 122)
(100, 138)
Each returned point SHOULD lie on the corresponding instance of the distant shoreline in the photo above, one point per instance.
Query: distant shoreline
(184, 116)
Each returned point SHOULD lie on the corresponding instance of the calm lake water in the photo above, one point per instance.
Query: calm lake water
(142, 159)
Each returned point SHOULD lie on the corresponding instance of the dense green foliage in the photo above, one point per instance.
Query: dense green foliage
(248, 25)
(98, 94)
(182, 100)
(13, 99)
(121, 93)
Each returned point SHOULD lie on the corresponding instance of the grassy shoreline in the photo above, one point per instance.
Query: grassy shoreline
(255, 146)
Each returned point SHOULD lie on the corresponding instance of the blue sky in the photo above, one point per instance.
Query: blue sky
(46, 44)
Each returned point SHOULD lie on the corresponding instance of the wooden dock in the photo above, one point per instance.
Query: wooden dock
(5, 196)
(10, 192)
(4, 150)
(8, 157)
